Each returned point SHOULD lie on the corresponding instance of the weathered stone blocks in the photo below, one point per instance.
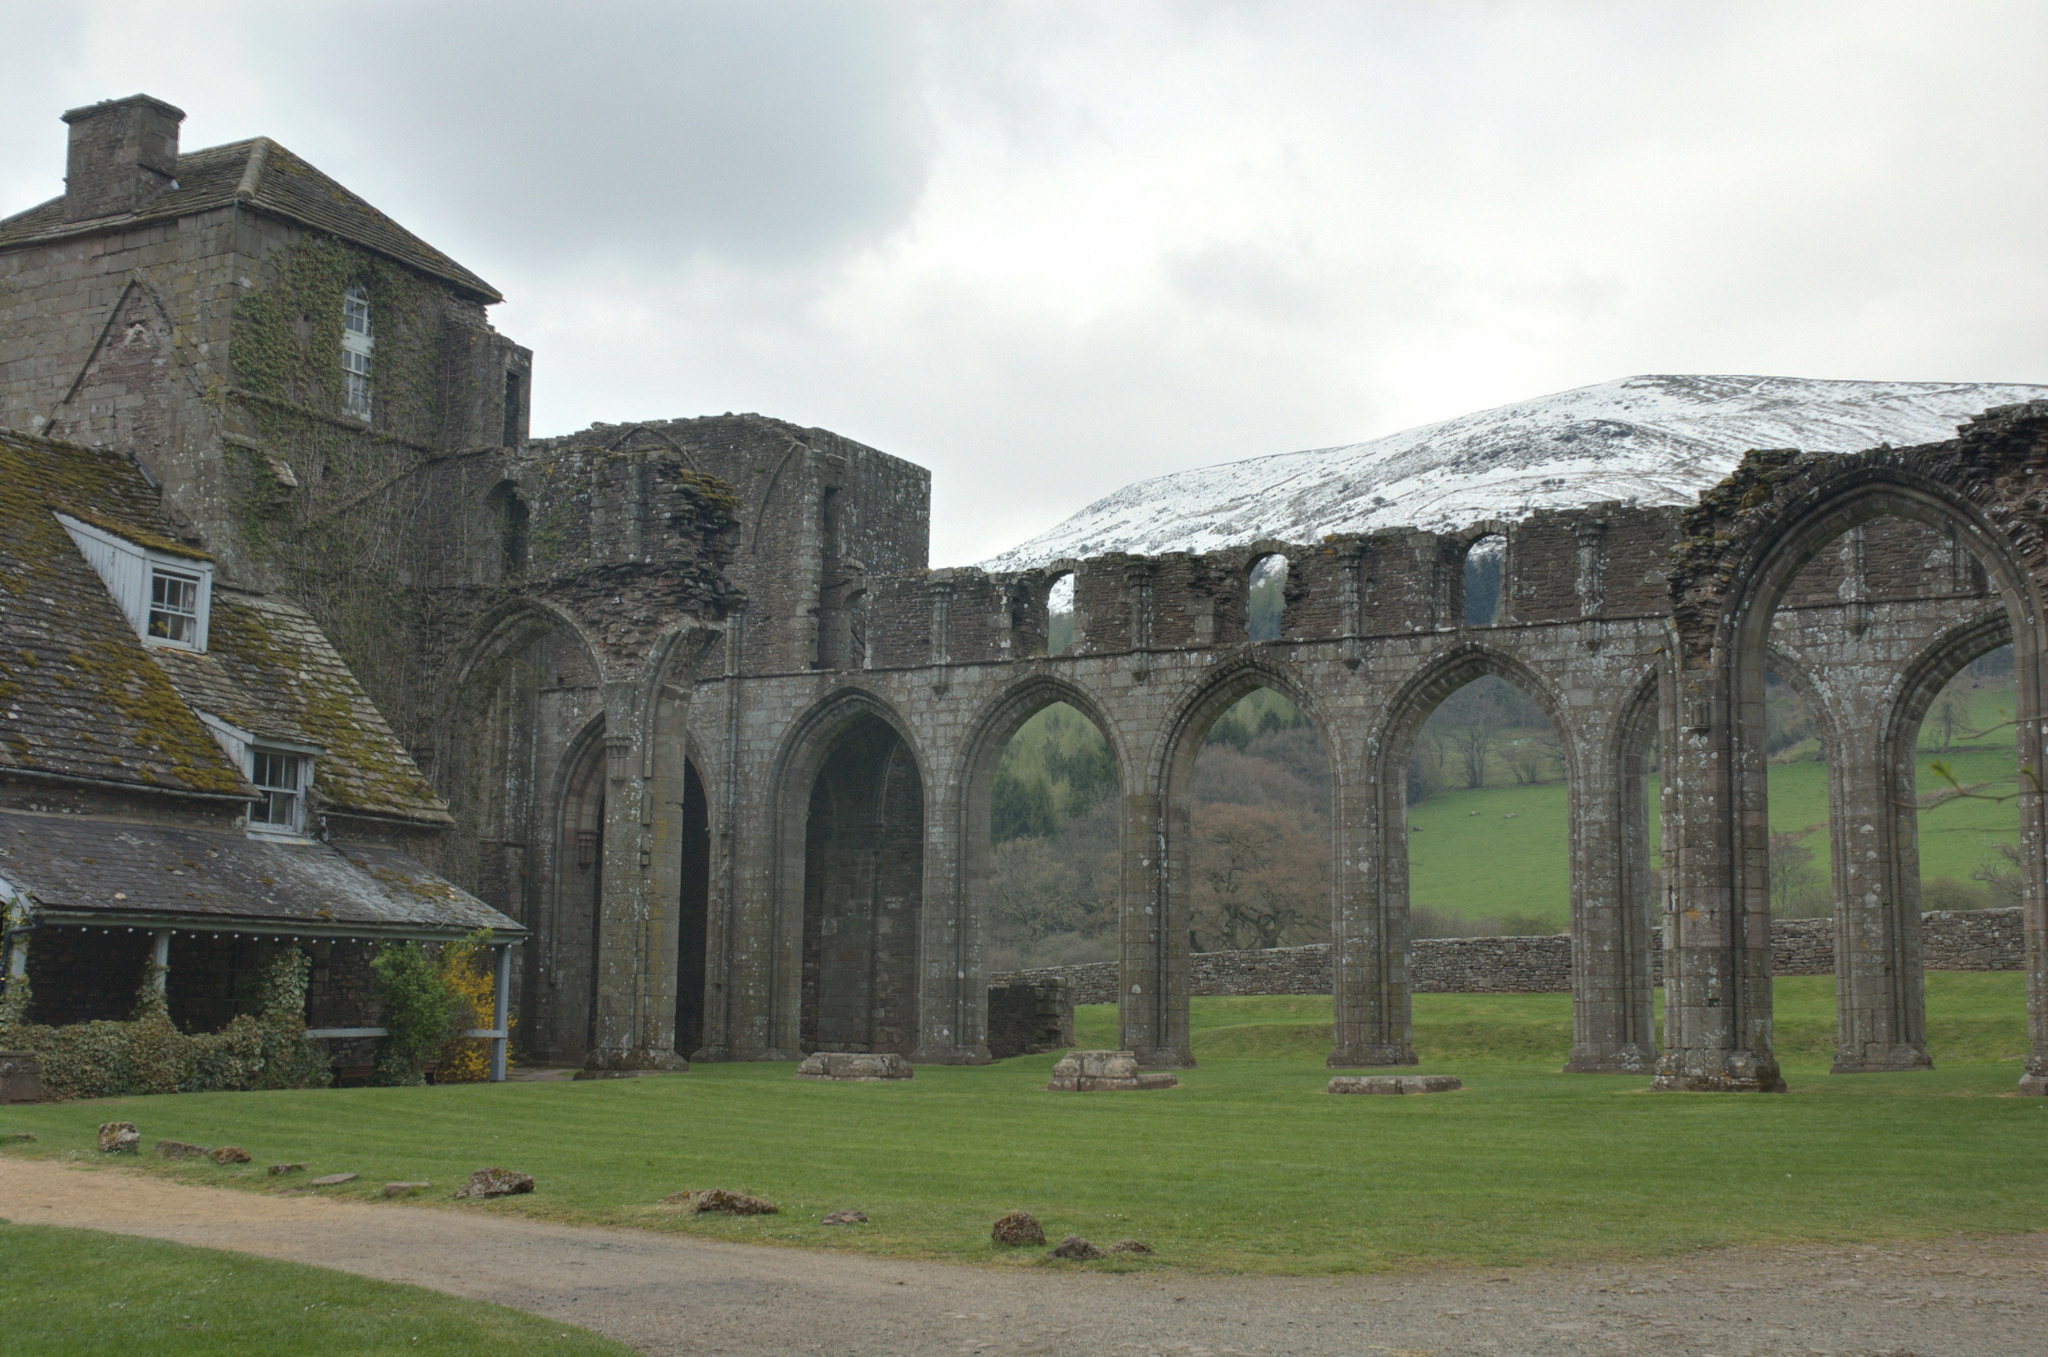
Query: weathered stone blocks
(1395, 1083)
(21, 1077)
(854, 1067)
(1102, 1071)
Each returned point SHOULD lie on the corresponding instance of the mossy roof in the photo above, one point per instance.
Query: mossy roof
(79, 694)
(266, 178)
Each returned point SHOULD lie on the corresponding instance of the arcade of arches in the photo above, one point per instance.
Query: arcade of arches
(804, 824)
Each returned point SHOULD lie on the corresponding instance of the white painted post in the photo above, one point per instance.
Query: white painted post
(17, 959)
(160, 960)
(501, 1016)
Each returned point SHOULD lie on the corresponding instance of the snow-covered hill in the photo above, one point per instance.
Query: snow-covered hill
(1647, 440)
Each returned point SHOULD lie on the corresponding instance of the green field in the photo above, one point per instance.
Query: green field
(1467, 857)
(74, 1293)
(1249, 1165)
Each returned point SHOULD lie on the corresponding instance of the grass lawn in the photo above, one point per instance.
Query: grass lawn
(79, 1292)
(1249, 1165)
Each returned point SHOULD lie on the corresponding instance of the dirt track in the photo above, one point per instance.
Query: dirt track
(666, 1294)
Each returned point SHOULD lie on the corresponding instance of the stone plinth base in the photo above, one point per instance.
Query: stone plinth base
(21, 1077)
(855, 1067)
(1718, 1072)
(1882, 1060)
(1395, 1083)
(1102, 1071)
(1610, 1060)
(1370, 1056)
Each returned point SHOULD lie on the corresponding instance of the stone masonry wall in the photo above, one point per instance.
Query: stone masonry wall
(1950, 940)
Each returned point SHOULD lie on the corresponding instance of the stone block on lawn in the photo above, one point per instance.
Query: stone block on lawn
(229, 1154)
(720, 1201)
(120, 1137)
(1101, 1071)
(17, 1138)
(1130, 1246)
(1395, 1083)
(401, 1189)
(1073, 1246)
(21, 1077)
(333, 1180)
(854, 1067)
(845, 1218)
(1018, 1229)
(280, 1170)
(495, 1183)
(178, 1149)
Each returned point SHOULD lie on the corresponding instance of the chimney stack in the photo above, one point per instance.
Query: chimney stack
(123, 153)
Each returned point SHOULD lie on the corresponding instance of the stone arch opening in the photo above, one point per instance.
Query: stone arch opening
(1237, 865)
(862, 883)
(693, 924)
(1719, 992)
(1374, 1001)
(1265, 597)
(566, 946)
(1614, 1030)
(1042, 829)
(1484, 577)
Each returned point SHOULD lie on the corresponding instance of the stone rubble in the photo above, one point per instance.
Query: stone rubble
(854, 1067)
(1101, 1071)
(1395, 1083)
(495, 1183)
(1017, 1230)
(120, 1137)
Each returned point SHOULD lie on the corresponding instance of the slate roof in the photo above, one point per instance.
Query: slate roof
(81, 696)
(76, 869)
(267, 178)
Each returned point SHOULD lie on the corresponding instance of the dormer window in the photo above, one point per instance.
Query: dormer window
(165, 594)
(173, 607)
(282, 778)
(357, 343)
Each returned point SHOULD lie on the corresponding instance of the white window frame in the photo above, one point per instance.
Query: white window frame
(242, 747)
(358, 343)
(297, 767)
(130, 570)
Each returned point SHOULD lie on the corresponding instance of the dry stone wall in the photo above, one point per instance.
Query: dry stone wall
(1950, 940)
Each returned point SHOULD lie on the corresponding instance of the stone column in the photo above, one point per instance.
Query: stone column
(952, 996)
(1152, 979)
(1612, 1014)
(1717, 959)
(1369, 935)
(1880, 1003)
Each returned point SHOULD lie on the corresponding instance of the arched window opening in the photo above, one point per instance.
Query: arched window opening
(1265, 598)
(1258, 853)
(1489, 827)
(1059, 615)
(509, 508)
(863, 895)
(1054, 836)
(1485, 567)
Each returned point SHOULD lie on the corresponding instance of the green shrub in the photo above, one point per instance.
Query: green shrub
(421, 1012)
(150, 1055)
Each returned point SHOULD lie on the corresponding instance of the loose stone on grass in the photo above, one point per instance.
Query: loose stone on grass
(1018, 1229)
(1395, 1083)
(495, 1183)
(1073, 1246)
(719, 1201)
(229, 1154)
(17, 1138)
(333, 1180)
(846, 1218)
(120, 1137)
(178, 1149)
(401, 1189)
(1136, 1246)
(855, 1067)
(280, 1170)
(1101, 1071)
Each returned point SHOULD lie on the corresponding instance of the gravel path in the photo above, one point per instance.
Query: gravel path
(669, 1294)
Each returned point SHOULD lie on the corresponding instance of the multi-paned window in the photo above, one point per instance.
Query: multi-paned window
(357, 343)
(281, 777)
(173, 606)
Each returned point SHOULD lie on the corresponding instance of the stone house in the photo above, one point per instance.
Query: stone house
(190, 775)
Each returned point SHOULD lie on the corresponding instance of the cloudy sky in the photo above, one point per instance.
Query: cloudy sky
(1046, 249)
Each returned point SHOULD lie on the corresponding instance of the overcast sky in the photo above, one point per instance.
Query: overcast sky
(1048, 249)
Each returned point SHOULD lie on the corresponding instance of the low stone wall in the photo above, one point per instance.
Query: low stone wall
(1950, 940)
